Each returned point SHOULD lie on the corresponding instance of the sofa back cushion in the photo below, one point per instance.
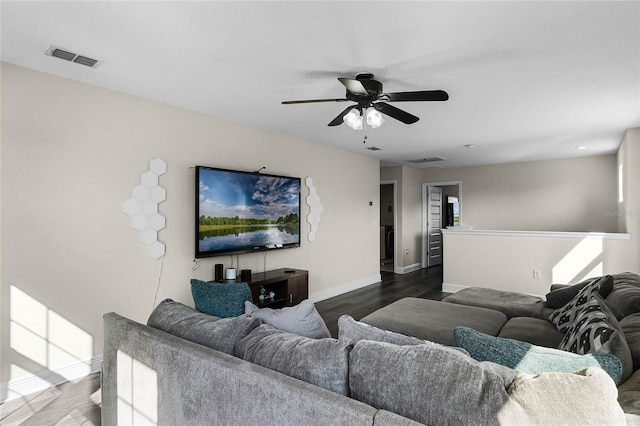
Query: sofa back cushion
(322, 362)
(434, 385)
(624, 299)
(428, 383)
(630, 326)
(207, 330)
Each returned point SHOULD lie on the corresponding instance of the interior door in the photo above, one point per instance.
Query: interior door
(434, 222)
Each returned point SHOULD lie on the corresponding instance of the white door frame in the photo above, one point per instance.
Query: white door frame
(396, 267)
(425, 209)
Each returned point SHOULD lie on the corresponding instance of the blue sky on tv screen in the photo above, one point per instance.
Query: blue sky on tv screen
(248, 196)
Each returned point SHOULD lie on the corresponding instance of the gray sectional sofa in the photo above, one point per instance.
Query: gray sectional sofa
(186, 367)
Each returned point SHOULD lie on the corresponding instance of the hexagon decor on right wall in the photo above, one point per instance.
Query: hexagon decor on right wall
(142, 207)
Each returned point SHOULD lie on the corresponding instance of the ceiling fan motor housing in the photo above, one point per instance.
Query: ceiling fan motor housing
(373, 87)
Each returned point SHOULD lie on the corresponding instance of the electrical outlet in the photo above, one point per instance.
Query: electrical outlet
(406, 251)
(537, 274)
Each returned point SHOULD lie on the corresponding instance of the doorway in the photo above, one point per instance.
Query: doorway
(388, 219)
(437, 213)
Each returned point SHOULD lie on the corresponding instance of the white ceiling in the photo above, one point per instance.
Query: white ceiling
(527, 80)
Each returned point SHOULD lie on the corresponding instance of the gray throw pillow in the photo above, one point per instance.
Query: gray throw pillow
(560, 297)
(428, 383)
(353, 330)
(207, 330)
(322, 362)
(563, 318)
(595, 329)
(302, 319)
(528, 358)
(348, 328)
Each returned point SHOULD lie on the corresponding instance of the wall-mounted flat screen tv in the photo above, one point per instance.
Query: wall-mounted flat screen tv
(242, 212)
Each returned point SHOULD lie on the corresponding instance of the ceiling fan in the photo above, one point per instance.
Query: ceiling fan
(370, 100)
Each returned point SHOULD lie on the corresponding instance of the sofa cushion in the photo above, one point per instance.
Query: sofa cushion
(624, 299)
(596, 329)
(428, 383)
(536, 331)
(532, 359)
(585, 397)
(302, 319)
(512, 304)
(564, 317)
(560, 297)
(433, 320)
(219, 299)
(353, 330)
(322, 362)
(630, 326)
(207, 330)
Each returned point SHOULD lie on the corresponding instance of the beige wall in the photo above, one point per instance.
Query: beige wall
(506, 262)
(71, 154)
(557, 195)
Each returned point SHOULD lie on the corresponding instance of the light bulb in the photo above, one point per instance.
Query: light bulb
(353, 119)
(374, 118)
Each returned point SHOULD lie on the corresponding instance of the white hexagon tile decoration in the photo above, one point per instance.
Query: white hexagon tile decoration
(142, 207)
(315, 209)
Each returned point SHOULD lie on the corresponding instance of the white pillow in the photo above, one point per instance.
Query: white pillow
(584, 397)
(302, 319)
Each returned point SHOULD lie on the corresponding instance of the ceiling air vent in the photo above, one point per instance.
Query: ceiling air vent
(373, 148)
(426, 160)
(65, 54)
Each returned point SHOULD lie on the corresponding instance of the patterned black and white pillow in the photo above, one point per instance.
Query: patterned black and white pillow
(564, 317)
(590, 332)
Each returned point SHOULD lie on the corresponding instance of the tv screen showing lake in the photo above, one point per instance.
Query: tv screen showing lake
(239, 211)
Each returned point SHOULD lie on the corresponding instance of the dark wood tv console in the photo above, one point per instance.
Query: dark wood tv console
(290, 288)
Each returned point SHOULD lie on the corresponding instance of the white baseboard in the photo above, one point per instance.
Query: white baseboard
(407, 269)
(42, 380)
(317, 296)
(452, 288)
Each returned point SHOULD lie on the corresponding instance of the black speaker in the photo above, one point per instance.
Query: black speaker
(245, 275)
(219, 272)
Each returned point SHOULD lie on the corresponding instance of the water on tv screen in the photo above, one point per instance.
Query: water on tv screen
(240, 212)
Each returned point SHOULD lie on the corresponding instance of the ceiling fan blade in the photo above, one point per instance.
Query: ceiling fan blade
(354, 86)
(338, 120)
(424, 95)
(308, 101)
(396, 113)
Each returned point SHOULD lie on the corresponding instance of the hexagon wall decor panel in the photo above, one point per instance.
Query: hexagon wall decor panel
(142, 207)
(315, 209)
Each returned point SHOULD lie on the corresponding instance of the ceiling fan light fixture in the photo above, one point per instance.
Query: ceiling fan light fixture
(353, 119)
(374, 118)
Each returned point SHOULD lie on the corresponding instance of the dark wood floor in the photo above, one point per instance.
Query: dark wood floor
(424, 283)
(78, 403)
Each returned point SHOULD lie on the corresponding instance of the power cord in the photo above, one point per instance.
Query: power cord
(155, 296)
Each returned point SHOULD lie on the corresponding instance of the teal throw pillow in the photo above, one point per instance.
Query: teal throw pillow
(528, 358)
(219, 299)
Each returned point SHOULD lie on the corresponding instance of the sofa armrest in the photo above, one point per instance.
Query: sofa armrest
(182, 383)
